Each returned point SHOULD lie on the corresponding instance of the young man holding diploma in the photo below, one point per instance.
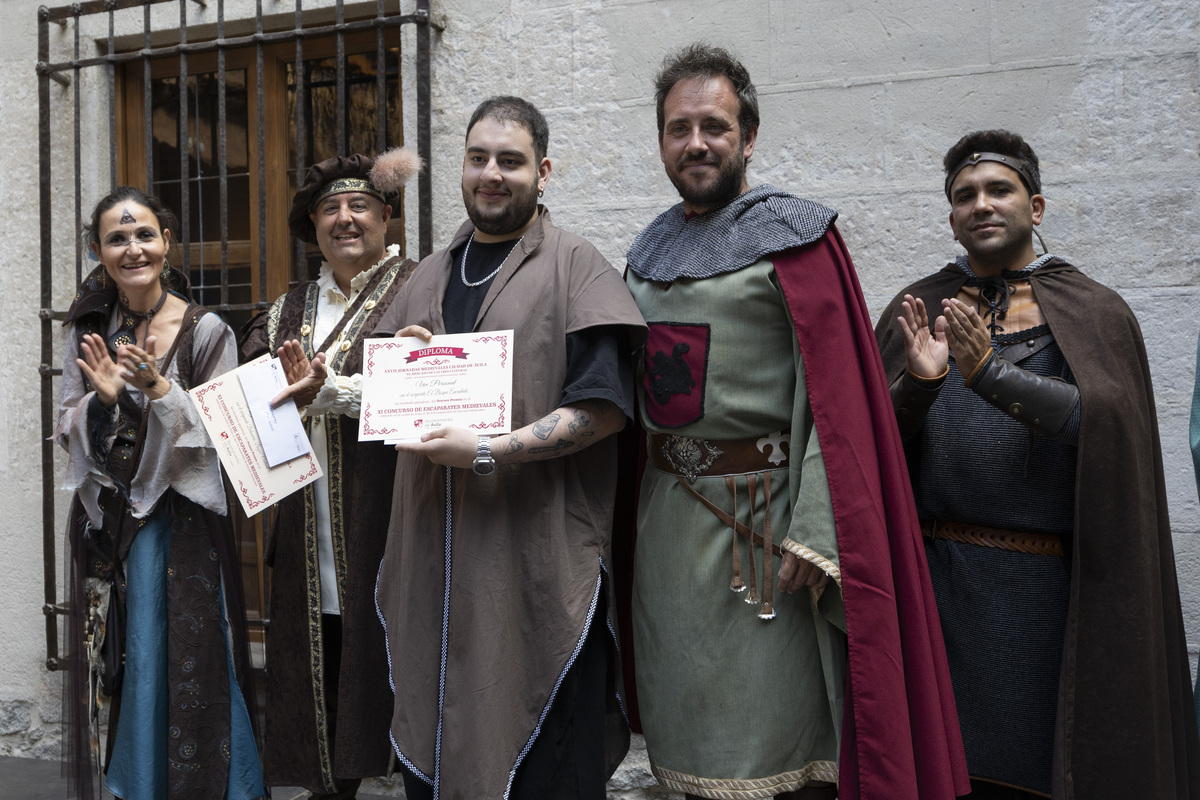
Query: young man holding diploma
(494, 588)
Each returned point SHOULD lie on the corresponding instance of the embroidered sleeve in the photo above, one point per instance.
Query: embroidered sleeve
(177, 453)
(74, 432)
(341, 394)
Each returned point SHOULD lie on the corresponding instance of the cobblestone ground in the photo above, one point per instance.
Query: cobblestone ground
(39, 779)
(632, 781)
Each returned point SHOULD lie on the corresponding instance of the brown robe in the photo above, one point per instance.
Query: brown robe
(297, 749)
(527, 545)
(1126, 726)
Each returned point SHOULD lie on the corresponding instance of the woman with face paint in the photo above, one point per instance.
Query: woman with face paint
(157, 632)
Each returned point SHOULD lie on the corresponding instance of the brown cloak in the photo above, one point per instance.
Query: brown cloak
(518, 574)
(297, 749)
(1125, 726)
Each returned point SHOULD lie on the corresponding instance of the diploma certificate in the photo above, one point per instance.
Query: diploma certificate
(411, 386)
(230, 425)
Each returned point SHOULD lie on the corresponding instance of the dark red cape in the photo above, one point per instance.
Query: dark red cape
(900, 735)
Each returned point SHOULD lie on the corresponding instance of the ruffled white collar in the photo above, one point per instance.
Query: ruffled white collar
(329, 287)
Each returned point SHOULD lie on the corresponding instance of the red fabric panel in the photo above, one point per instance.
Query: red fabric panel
(900, 736)
(675, 374)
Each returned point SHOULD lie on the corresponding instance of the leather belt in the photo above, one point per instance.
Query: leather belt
(1038, 544)
(688, 458)
(691, 457)
(720, 514)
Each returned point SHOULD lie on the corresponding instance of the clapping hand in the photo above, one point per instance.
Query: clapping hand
(305, 378)
(928, 353)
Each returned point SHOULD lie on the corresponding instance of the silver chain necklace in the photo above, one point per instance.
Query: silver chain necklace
(462, 264)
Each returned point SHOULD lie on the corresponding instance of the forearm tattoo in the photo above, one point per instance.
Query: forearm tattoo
(563, 431)
(545, 426)
(580, 420)
(561, 444)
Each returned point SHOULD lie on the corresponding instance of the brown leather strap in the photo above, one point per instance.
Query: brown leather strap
(736, 584)
(767, 611)
(1019, 351)
(751, 486)
(1039, 544)
(720, 514)
(691, 457)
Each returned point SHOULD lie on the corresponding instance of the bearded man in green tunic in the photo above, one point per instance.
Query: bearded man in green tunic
(775, 471)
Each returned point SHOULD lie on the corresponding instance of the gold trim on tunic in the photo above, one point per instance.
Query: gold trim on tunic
(745, 788)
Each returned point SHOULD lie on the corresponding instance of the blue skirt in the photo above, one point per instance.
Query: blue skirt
(139, 766)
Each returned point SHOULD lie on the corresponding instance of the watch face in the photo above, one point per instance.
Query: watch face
(484, 466)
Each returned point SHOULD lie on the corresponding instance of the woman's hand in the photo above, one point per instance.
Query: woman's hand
(140, 368)
(102, 372)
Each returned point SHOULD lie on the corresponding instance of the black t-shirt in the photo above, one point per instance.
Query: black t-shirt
(461, 304)
(599, 361)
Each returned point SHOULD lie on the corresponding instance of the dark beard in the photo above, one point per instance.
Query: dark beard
(521, 205)
(727, 186)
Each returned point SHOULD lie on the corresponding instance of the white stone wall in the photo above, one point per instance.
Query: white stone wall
(860, 99)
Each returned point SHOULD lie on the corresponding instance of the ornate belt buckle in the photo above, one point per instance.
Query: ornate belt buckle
(689, 457)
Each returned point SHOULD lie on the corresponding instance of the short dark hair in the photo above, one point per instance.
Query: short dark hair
(701, 60)
(1006, 143)
(165, 216)
(506, 108)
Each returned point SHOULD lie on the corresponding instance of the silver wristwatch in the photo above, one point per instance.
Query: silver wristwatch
(484, 464)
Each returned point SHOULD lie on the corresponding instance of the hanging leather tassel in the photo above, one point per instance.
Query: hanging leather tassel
(767, 612)
(753, 595)
(736, 584)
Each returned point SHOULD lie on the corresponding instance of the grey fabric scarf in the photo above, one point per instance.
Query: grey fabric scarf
(762, 221)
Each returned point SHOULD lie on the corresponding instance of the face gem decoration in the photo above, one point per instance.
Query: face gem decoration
(126, 217)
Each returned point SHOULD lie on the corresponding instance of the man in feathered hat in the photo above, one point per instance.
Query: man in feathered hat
(328, 701)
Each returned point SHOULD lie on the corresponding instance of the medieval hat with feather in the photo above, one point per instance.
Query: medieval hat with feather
(381, 177)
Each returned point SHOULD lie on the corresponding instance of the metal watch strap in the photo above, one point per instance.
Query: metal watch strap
(483, 464)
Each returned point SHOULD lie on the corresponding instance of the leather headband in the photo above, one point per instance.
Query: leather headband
(1012, 163)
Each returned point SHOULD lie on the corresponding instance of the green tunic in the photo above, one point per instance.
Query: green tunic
(732, 705)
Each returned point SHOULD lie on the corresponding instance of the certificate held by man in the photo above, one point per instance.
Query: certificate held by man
(412, 386)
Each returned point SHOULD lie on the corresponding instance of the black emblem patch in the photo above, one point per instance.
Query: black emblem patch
(673, 373)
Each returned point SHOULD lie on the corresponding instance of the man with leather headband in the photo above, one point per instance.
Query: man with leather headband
(1028, 418)
(775, 471)
(328, 701)
(495, 589)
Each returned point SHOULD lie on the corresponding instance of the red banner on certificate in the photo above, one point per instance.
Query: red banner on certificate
(411, 386)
